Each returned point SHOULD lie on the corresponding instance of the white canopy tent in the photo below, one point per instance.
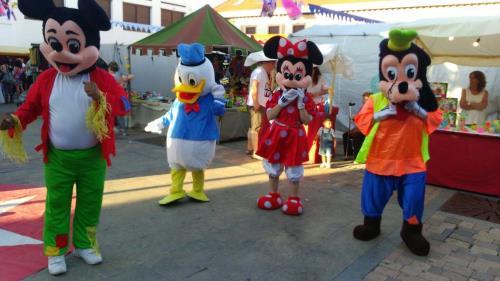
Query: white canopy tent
(334, 62)
(454, 39)
(361, 43)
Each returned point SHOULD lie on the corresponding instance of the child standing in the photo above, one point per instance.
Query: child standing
(326, 137)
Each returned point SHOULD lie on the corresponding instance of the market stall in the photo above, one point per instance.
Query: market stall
(203, 26)
(465, 158)
(466, 161)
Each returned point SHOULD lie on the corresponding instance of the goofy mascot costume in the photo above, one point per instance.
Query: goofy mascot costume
(397, 124)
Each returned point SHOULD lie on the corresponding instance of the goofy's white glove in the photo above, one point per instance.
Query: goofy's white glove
(385, 113)
(415, 108)
(156, 126)
(287, 97)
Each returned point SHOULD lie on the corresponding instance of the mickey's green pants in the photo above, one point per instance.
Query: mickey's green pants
(87, 169)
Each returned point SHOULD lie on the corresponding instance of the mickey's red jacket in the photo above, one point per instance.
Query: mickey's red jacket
(37, 103)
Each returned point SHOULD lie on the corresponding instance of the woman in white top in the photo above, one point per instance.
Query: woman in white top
(319, 91)
(474, 99)
(318, 88)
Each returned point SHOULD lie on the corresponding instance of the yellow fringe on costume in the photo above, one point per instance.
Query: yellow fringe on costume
(13, 147)
(96, 117)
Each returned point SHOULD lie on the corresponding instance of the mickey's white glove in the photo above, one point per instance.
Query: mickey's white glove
(287, 97)
(155, 126)
(385, 113)
(218, 91)
(415, 108)
(300, 99)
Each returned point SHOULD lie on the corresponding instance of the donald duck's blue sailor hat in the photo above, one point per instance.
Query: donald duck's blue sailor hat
(191, 54)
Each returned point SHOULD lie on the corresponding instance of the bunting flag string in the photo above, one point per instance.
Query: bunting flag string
(136, 26)
(343, 16)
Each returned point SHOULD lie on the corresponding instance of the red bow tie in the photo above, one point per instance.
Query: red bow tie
(192, 107)
(287, 48)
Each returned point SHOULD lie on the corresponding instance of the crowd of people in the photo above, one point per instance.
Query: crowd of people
(15, 78)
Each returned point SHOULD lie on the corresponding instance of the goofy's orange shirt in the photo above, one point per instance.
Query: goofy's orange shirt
(396, 148)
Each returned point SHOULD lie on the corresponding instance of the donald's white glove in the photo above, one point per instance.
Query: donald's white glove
(287, 97)
(218, 91)
(155, 126)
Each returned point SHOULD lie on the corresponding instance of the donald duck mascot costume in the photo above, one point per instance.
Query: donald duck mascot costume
(191, 121)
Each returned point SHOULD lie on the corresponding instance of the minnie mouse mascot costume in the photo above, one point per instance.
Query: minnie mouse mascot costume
(284, 144)
(397, 124)
(78, 103)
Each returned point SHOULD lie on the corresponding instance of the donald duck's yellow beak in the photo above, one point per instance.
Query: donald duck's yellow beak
(188, 94)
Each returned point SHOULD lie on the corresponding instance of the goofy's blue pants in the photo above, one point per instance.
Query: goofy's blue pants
(377, 190)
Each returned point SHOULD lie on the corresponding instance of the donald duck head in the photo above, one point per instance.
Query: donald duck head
(194, 76)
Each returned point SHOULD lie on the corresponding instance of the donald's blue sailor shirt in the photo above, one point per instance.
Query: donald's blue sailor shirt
(196, 126)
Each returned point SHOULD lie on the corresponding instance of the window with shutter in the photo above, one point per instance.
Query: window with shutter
(274, 29)
(169, 17)
(136, 13)
(250, 30)
(298, 27)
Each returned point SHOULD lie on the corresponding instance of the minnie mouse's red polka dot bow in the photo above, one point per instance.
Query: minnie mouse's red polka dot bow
(287, 48)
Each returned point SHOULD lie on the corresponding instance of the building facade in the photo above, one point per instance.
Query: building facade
(131, 20)
(246, 14)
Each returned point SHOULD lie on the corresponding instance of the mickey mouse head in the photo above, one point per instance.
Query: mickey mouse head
(71, 36)
(295, 61)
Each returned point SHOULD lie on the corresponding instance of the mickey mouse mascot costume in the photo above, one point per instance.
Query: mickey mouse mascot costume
(397, 124)
(78, 103)
(284, 144)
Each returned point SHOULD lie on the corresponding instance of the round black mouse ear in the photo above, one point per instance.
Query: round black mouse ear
(36, 9)
(271, 47)
(94, 14)
(315, 55)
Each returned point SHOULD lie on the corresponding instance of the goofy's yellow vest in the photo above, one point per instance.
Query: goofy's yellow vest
(379, 103)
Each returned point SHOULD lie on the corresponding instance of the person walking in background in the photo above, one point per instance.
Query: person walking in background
(318, 90)
(114, 69)
(354, 134)
(7, 83)
(474, 99)
(259, 92)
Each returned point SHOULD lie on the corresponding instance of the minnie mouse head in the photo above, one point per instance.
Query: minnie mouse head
(71, 36)
(295, 61)
(403, 70)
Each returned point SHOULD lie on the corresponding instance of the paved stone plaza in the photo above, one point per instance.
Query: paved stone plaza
(230, 239)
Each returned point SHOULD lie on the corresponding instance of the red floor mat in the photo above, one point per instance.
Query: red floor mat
(21, 230)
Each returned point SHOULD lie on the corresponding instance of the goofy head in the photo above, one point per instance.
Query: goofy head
(295, 61)
(403, 70)
(194, 76)
(71, 36)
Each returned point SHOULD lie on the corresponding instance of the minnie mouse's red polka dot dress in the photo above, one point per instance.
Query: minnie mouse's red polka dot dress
(285, 141)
